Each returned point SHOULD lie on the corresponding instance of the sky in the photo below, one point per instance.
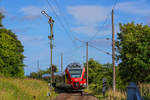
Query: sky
(76, 22)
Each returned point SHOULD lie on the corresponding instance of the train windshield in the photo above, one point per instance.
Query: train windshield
(75, 73)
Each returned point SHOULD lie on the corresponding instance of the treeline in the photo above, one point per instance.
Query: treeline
(99, 71)
(11, 53)
(132, 55)
(39, 74)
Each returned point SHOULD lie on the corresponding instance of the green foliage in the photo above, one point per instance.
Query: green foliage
(11, 53)
(38, 75)
(133, 48)
(1, 17)
(97, 72)
(55, 68)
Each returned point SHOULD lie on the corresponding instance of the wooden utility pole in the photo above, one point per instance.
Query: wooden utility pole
(113, 52)
(51, 38)
(87, 63)
(61, 62)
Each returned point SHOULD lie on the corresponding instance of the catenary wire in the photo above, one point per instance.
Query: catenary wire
(61, 23)
(103, 25)
(66, 22)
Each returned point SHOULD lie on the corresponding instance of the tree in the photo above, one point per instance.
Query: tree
(95, 70)
(1, 17)
(55, 68)
(39, 74)
(11, 53)
(133, 52)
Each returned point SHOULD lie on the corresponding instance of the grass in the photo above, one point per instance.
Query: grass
(145, 91)
(119, 94)
(23, 89)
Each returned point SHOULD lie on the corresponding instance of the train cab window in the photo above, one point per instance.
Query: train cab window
(75, 73)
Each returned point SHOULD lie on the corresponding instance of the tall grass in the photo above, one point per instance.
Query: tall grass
(119, 94)
(145, 91)
(23, 89)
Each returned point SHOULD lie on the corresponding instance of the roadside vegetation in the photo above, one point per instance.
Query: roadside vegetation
(132, 54)
(13, 84)
(24, 89)
(11, 53)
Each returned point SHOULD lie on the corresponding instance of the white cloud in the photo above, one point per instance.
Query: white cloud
(34, 12)
(89, 13)
(20, 30)
(84, 29)
(31, 10)
(90, 30)
(31, 40)
(3, 10)
(140, 7)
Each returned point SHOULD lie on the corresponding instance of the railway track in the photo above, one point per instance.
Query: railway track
(74, 96)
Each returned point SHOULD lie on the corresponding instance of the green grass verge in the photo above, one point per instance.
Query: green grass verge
(23, 89)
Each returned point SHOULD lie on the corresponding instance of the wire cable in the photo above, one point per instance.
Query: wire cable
(64, 19)
(100, 50)
(61, 23)
(103, 25)
(116, 1)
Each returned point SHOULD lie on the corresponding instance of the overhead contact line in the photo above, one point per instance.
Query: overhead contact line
(61, 23)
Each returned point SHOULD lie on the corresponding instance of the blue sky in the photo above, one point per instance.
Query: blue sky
(87, 20)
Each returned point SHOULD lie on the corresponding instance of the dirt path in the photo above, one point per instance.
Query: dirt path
(74, 96)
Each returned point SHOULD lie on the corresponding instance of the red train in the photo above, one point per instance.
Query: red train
(75, 76)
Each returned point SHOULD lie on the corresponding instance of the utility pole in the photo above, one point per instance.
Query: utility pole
(61, 62)
(51, 38)
(87, 63)
(113, 52)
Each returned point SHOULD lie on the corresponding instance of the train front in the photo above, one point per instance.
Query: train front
(75, 76)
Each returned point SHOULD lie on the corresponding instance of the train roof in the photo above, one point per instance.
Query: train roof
(74, 65)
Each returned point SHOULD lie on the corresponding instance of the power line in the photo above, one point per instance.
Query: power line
(71, 58)
(100, 50)
(95, 47)
(64, 19)
(115, 3)
(61, 23)
(103, 25)
(66, 22)
(77, 48)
